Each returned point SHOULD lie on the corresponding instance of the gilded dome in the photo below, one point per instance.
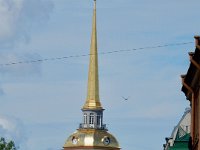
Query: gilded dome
(91, 138)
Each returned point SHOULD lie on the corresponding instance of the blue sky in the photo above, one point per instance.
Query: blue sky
(41, 102)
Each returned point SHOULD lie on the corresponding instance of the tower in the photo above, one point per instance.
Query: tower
(92, 132)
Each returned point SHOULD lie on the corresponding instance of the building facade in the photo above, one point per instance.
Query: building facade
(191, 88)
(92, 132)
(180, 137)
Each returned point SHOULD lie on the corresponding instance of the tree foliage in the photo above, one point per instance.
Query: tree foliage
(7, 145)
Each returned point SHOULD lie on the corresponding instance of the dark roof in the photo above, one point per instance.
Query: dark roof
(188, 78)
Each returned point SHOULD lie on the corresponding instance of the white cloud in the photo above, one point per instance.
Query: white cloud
(19, 70)
(12, 129)
(18, 17)
(22, 69)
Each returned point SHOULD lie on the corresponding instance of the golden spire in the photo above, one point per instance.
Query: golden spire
(93, 101)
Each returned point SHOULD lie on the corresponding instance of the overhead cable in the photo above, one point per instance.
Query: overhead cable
(84, 55)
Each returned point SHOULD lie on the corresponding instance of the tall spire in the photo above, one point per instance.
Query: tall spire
(93, 101)
(92, 132)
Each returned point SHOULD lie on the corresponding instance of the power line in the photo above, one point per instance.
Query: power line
(84, 55)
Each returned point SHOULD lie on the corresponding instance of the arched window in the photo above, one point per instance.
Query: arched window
(98, 119)
(187, 129)
(91, 121)
(85, 118)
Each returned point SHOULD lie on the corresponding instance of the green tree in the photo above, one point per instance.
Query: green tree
(7, 145)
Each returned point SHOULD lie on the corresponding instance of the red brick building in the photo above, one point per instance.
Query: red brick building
(191, 88)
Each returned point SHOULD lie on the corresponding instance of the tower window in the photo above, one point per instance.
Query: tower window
(186, 128)
(91, 118)
(98, 119)
(85, 118)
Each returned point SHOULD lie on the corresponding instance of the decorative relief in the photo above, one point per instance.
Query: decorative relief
(106, 140)
(74, 140)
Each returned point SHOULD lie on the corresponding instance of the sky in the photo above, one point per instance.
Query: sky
(40, 103)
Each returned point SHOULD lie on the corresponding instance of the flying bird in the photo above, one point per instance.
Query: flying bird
(125, 98)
